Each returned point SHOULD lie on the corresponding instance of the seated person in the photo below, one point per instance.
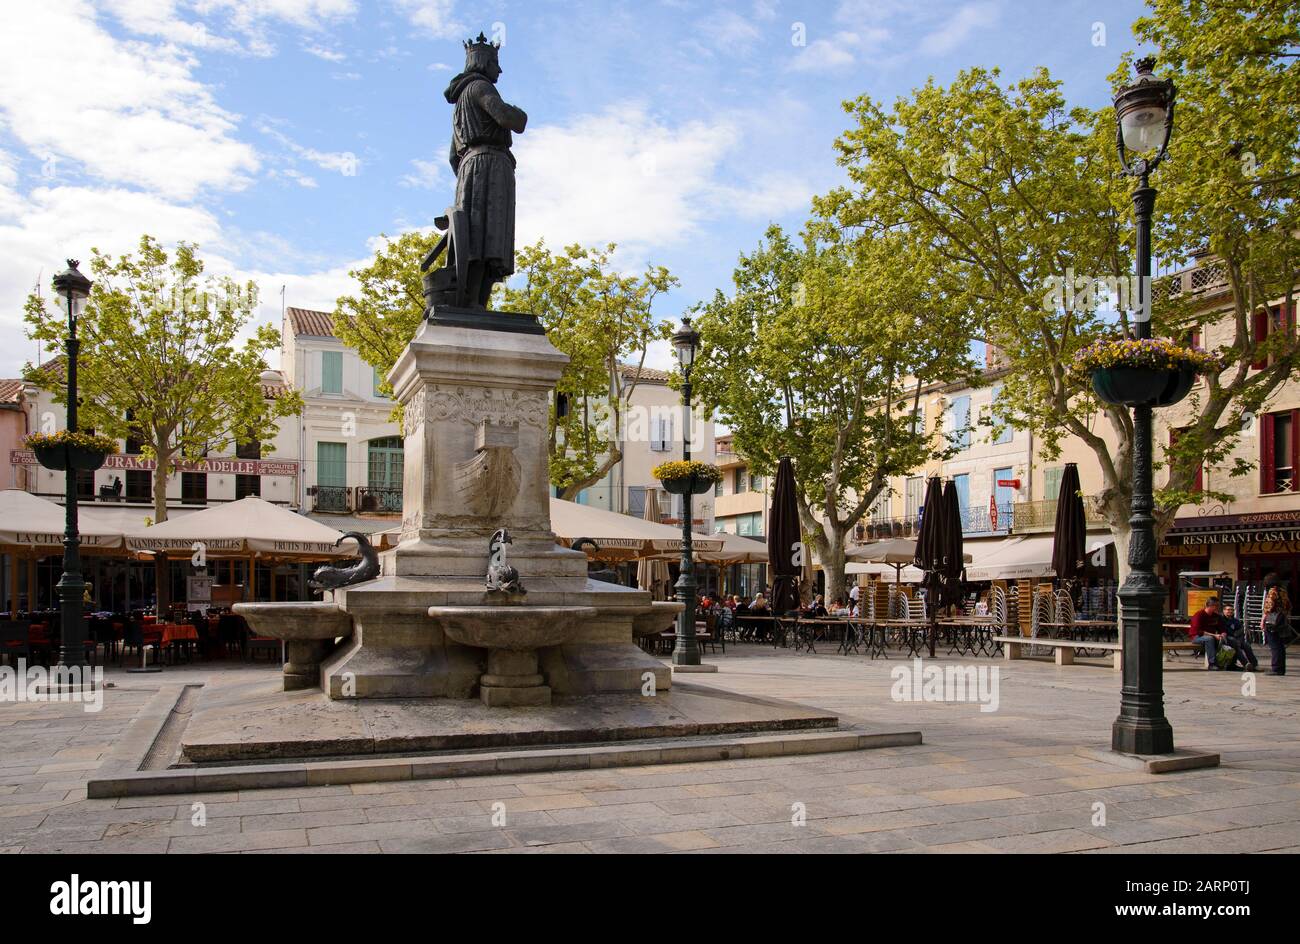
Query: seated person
(839, 609)
(1208, 630)
(1237, 640)
(817, 608)
(760, 605)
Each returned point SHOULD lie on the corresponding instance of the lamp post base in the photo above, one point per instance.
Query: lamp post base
(686, 652)
(1142, 727)
(1153, 736)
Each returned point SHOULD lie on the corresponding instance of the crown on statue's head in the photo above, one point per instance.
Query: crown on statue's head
(481, 41)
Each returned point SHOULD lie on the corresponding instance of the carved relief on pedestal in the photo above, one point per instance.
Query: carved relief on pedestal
(488, 483)
(480, 404)
(413, 411)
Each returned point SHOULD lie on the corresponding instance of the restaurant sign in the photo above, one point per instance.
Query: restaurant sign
(141, 464)
(1261, 527)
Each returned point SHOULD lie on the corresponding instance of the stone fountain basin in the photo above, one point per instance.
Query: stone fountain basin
(514, 628)
(653, 618)
(296, 621)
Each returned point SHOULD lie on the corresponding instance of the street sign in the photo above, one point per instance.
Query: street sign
(1008, 483)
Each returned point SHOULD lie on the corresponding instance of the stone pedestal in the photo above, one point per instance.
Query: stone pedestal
(476, 412)
(512, 680)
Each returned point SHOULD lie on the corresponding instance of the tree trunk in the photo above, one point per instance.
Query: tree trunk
(162, 461)
(832, 559)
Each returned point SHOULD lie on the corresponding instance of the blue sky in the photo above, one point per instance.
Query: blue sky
(285, 136)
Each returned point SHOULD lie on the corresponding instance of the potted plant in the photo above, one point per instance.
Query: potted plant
(1142, 371)
(68, 450)
(681, 477)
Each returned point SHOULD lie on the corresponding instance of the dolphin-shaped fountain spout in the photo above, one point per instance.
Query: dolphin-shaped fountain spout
(333, 576)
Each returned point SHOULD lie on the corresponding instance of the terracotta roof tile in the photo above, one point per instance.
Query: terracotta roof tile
(311, 323)
(647, 375)
(10, 390)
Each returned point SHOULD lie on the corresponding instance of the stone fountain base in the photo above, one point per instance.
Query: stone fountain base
(255, 721)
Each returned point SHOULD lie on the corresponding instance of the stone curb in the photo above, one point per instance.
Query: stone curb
(252, 777)
(1180, 759)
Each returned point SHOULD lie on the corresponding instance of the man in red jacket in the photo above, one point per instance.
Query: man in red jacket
(1208, 630)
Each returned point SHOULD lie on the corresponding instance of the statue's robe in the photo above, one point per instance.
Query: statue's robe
(485, 171)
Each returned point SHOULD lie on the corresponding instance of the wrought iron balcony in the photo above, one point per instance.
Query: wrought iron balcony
(378, 501)
(1034, 516)
(331, 499)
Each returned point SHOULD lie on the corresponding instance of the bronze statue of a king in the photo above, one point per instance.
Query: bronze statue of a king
(480, 226)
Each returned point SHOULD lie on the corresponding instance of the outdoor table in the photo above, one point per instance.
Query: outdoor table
(964, 635)
(809, 639)
(178, 632)
(908, 628)
(752, 622)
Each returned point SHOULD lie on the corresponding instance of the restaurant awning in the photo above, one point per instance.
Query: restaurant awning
(1023, 558)
(249, 525)
(902, 573)
(735, 549)
(29, 521)
(621, 536)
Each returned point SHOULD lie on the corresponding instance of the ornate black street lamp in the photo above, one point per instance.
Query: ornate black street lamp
(75, 288)
(1145, 115)
(686, 649)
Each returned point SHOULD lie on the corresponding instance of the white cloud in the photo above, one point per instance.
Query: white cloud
(429, 175)
(958, 28)
(624, 176)
(343, 162)
(248, 19)
(52, 223)
(301, 179)
(826, 54)
(431, 16)
(321, 52)
(729, 30)
(130, 113)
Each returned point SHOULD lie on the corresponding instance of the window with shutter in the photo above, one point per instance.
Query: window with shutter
(1266, 482)
(331, 372)
(961, 421)
(1259, 327)
(1052, 483)
(1284, 451)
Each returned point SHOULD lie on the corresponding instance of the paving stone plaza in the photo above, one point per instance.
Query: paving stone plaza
(441, 427)
(983, 781)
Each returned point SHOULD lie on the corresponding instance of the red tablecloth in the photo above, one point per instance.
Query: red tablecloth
(178, 632)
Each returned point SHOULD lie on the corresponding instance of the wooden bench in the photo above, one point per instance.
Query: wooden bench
(1013, 646)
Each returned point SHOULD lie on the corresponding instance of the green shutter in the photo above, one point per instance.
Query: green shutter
(1052, 483)
(331, 372)
(332, 464)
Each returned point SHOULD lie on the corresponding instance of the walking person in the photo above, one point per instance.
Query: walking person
(1276, 623)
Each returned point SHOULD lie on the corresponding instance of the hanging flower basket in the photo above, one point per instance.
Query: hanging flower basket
(681, 478)
(63, 451)
(1142, 372)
